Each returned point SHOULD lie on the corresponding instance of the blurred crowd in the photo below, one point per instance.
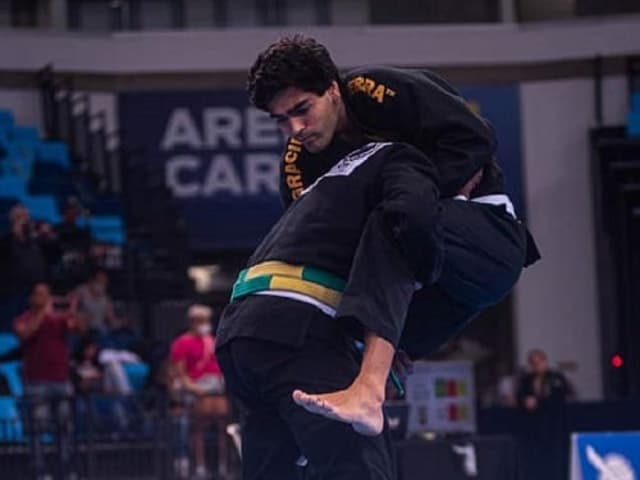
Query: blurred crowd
(32, 251)
(74, 342)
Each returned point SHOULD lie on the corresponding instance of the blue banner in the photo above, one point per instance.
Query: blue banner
(501, 106)
(606, 456)
(219, 156)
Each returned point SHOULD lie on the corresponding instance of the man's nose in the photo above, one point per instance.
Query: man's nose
(296, 126)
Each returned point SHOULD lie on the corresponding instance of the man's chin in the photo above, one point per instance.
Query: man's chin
(314, 146)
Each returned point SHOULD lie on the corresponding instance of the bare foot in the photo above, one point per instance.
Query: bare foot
(359, 405)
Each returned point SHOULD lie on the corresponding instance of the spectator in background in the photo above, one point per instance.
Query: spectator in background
(198, 378)
(91, 301)
(100, 370)
(502, 392)
(75, 244)
(542, 386)
(23, 260)
(45, 368)
(88, 374)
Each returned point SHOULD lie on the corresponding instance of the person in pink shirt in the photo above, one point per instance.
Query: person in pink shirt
(198, 378)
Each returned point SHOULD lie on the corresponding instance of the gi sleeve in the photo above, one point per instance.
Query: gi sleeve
(399, 246)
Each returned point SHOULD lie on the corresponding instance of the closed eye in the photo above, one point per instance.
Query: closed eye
(299, 110)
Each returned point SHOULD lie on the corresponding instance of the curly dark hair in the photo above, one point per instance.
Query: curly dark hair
(296, 61)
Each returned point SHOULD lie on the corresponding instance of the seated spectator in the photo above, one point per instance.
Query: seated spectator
(45, 369)
(122, 336)
(198, 378)
(24, 253)
(91, 301)
(100, 370)
(542, 386)
(87, 371)
(75, 244)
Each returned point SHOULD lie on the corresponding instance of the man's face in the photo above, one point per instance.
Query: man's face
(40, 296)
(19, 216)
(538, 363)
(309, 118)
(101, 282)
(71, 214)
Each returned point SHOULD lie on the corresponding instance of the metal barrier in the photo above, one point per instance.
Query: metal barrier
(105, 437)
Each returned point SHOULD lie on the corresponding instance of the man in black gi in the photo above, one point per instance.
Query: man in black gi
(476, 248)
(280, 332)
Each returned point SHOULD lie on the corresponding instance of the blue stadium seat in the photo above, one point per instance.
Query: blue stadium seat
(635, 101)
(8, 341)
(633, 124)
(105, 222)
(11, 371)
(4, 141)
(110, 237)
(11, 430)
(43, 207)
(11, 186)
(53, 152)
(137, 373)
(25, 135)
(107, 205)
(6, 118)
(16, 160)
(107, 229)
(51, 179)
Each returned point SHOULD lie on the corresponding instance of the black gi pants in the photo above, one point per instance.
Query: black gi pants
(262, 374)
(477, 252)
(485, 250)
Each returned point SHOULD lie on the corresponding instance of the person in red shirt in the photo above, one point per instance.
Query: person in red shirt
(45, 367)
(198, 378)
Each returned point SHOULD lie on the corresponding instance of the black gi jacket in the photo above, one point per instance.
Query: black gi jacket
(411, 106)
(376, 192)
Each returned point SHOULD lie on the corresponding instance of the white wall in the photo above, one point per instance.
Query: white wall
(236, 48)
(106, 102)
(349, 12)
(26, 108)
(557, 299)
(25, 105)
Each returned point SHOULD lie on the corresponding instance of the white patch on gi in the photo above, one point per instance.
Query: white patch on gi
(348, 164)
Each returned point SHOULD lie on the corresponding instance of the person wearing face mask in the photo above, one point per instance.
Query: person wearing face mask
(199, 384)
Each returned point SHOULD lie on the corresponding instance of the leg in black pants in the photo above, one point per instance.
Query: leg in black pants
(484, 254)
(276, 431)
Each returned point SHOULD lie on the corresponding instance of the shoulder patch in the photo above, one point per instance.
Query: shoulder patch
(353, 160)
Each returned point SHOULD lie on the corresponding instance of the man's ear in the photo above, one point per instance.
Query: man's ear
(334, 92)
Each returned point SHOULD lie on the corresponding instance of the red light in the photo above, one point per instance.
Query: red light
(617, 361)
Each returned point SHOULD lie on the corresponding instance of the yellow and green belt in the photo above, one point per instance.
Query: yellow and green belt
(274, 275)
